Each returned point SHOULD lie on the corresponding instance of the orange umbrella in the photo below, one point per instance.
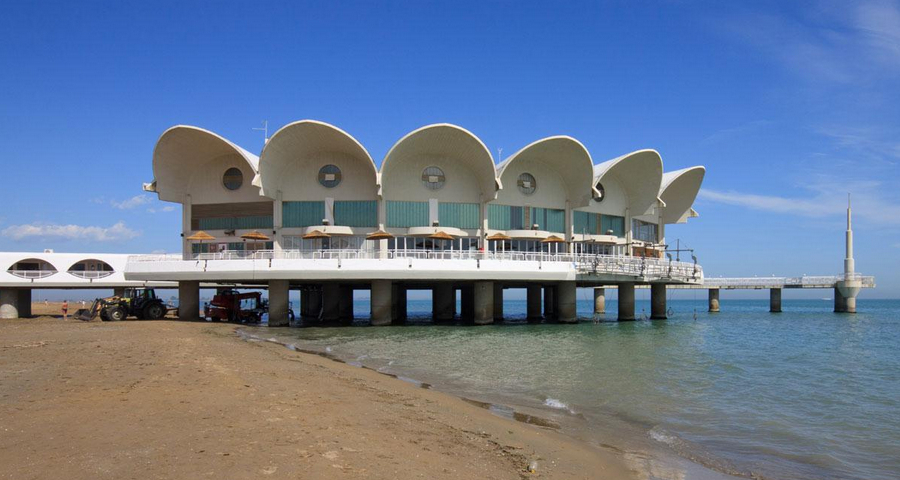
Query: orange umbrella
(499, 236)
(200, 236)
(255, 235)
(440, 235)
(379, 235)
(553, 239)
(315, 234)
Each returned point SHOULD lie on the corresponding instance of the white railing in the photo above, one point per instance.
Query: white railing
(646, 268)
(796, 282)
(31, 274)
(90, 275)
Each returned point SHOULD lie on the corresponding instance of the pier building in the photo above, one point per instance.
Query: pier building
(313, 212)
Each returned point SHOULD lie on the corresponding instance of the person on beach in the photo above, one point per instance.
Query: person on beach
(65, 309)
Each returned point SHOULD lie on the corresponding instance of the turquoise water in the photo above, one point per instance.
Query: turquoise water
(805, 394)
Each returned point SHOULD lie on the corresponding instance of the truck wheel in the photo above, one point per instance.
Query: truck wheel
(154, 311)
(116, 314)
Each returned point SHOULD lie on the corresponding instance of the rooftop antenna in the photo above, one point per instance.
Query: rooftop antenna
(265, 130)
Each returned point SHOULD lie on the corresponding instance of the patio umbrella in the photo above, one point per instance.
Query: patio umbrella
(440, 235)
(553, 239)
(315, 234)
(379, 235)
(200, 236)
(499, 236)
(255, 235)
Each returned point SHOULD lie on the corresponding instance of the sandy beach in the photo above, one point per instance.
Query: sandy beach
(171, 399)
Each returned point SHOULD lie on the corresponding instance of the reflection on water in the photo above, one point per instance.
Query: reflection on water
(805, 394)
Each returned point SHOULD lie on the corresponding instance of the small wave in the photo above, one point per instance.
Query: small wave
(328, 349)
(662, 436)
(558, 404)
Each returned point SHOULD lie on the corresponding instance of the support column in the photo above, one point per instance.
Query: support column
(467, 302)
(381, 302)
(626, 302)
(279, 293)
(566, 307)
(314, 299)
(549, 302)
(599, 301)
(345, 307)
(498, 301)
(9, 303)
(714, 300)
(398, 304)
(189, 300)
(24, 303)
(331, 302)
(534, 301)
(443, 301)
(304, 303)
(658, 301)
(840, 303)
(483, 303)
(775, 300)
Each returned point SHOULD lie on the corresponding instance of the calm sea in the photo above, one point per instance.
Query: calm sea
(805, 394)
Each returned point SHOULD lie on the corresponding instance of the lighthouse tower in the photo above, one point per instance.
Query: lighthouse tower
(846, 290)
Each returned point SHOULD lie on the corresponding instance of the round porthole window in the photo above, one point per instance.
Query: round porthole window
(527, 183)
(433, 178)
(233, 178)
(330, 176)
(602, 193)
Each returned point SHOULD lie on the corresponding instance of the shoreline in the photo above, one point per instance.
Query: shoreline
(102, 399)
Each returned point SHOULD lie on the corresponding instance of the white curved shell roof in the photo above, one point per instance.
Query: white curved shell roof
(188, 145)
(567, 156)
(639, 173)
(679, 190)
(304, 139)
(449, 141)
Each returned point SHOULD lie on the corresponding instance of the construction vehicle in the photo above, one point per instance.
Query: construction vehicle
(134, 302)
(233, 306)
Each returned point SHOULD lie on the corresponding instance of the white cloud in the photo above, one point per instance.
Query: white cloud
(117, 232)
(167, 208)
(824, 197)
(135, 201)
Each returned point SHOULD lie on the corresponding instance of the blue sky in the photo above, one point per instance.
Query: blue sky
(789, 105)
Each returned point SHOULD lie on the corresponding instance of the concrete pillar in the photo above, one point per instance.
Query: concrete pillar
(331, 302)
(467, 302)
(381, 302)
(24, 302)
(566, 306)
(714, 300)
(345, 306)
(304, 303)
(443, 301)
(599, 301)
(775, 300)
(658, 301)
(549, 301)
(189, 300)
(314, 303)
(626, 302)
(9, 303)
(483, 303)
(119, 291)
(534, 301)
(279, 292)
(398, 303)
(851, 304)
(840, 303)
(498, 301)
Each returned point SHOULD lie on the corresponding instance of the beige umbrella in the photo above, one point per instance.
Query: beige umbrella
(553, 239)
(440, 235)
(255, 235)
(200, 236)
(499, 236)
(315, 234)
(379, 235)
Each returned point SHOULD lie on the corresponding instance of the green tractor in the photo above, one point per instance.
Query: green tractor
(134, 302)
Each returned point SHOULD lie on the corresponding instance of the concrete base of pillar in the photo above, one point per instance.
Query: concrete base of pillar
(626, 302)
(443, 302)
(381, 302)
(24, 303)
(534, 302)
(599, 301)
(9, 303)
(714, 300)
(775, 300)
(566, 305)
(498, 301)
(279, 292)
(398, 303)
(467, 302)
(311, 303)
(483, 303)
(658, 301)
(331, 302)
(843, 304)
(189, 300)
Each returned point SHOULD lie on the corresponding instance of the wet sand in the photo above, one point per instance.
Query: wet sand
(171, 399)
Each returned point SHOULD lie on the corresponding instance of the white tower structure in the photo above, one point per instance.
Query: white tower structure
(846, 291)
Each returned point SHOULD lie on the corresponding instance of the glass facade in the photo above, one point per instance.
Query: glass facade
(406, 214)
(644, 231)
(302, 214)
(459, 215)
(234, 223)
(596, 224)
(508, 217)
